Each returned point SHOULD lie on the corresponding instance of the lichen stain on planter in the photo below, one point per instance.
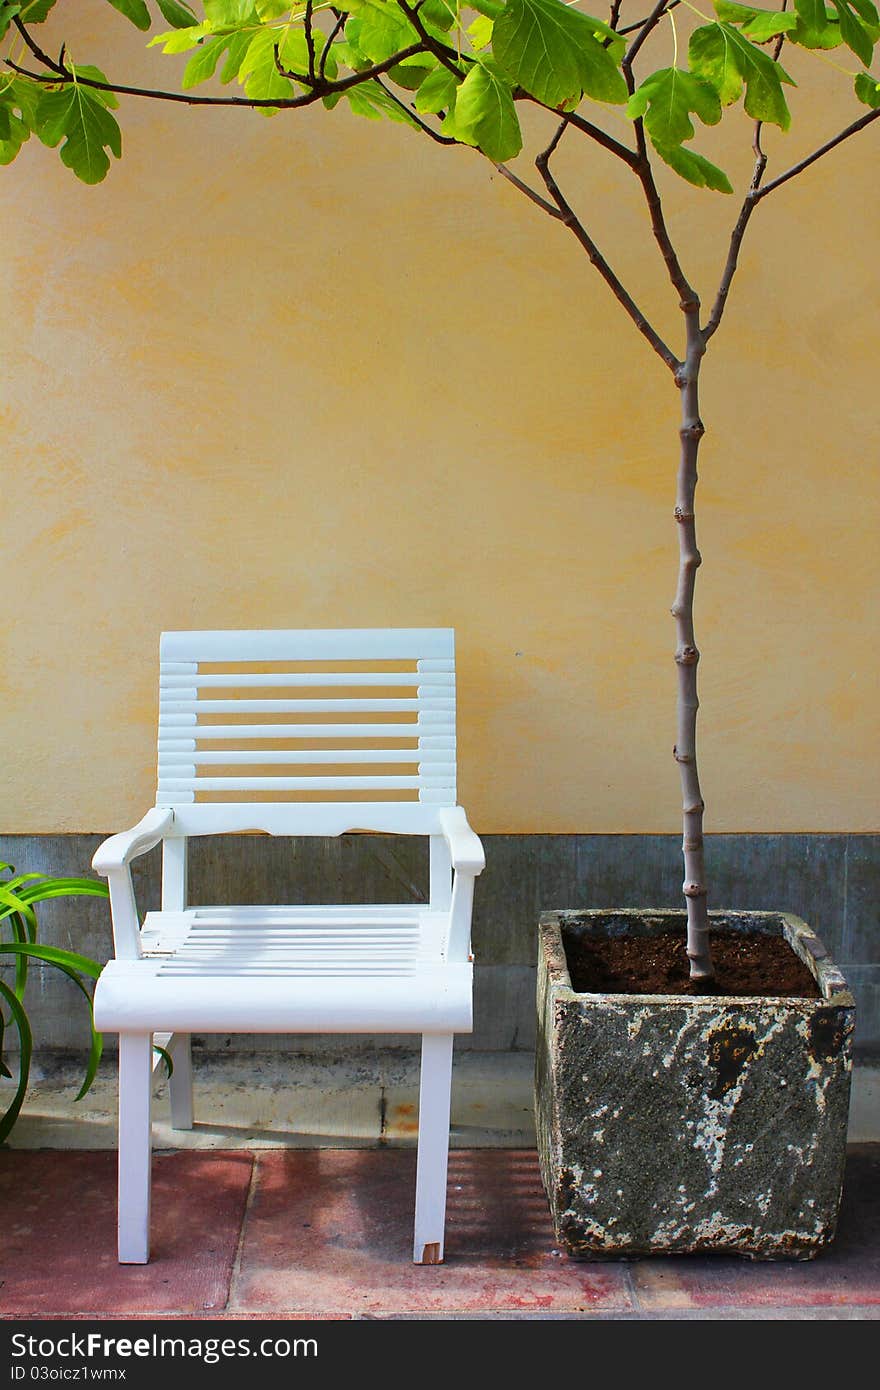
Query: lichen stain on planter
(687, 1123)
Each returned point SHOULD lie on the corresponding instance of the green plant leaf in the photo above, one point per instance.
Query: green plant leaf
(178, 15)
(667, 98)
(408, 75)
(853, 33)
(695, 168)
(230, 12)
(378, 29)
(350, 56)
(440, 13)
(181, 40)
(370, 100)
(758, 25)
(35, 11)
(76, 116)
(135, 10)
(203, 64)
(167, 1060)
(14, 133)
(437, 92)
(4, 1070)
(7, 14)
(238, 47)
(868, 89)
(71, 964)
(713, 57)
(812, 12)
(12, 884)
(59, 956)
(93, 74)
(96, 1050)
(20, 935)
(24, 948)
(31, 12)
(867, 10)
(16, 903)
(258, 73)
(485, 115)
(26, 1044)
(556, 53)
(59, 887)
(480, 32)
(827, 37)
(96, 1041)
(723, 57)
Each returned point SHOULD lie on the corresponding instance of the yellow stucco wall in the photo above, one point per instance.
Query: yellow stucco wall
(315, 371)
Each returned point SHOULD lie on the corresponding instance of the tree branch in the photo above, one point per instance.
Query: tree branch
(529, 192)
(310, 39)
(570, 220)
(648, 25)
(413, 116)
(689, 300)
(745, 212)
(600, 136)
(301, 77)
(37, 51)
(829, 145)
(634, 28)
(340, 23)
(736, 236)
(445, 55)
(754, 195)
(276, 103)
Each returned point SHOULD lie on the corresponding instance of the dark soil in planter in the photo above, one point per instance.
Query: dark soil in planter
(658, 964)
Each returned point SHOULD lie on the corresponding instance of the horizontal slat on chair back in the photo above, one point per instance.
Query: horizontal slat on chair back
(293, 717)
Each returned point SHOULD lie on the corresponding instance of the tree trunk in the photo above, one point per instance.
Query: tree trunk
(687, 656)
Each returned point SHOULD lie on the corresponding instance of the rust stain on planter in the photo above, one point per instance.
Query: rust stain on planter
(730, 1048)
(827, 1033)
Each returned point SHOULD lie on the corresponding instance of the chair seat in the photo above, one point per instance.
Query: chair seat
(289, 969)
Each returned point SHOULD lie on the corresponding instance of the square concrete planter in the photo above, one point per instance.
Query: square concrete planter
(671, 1123)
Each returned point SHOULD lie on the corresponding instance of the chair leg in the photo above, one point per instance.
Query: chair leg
(434, 1096)
(135, 1087)
(180, 1082)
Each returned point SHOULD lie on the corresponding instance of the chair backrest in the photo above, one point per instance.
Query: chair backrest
(307, 732)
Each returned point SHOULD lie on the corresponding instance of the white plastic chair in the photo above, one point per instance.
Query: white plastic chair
(366, 721)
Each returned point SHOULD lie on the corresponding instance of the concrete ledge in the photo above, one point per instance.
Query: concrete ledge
(349, 1100)
(831, 881)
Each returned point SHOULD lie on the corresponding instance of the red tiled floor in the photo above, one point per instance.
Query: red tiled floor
(59, 1233)
(328, 1234)
(333, 1230)
(846, 1274)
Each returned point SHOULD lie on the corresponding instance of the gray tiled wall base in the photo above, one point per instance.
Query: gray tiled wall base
(832, 881)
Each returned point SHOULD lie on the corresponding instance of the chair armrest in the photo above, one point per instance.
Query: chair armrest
(119, 850)
(465, 848)
(112, 859)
